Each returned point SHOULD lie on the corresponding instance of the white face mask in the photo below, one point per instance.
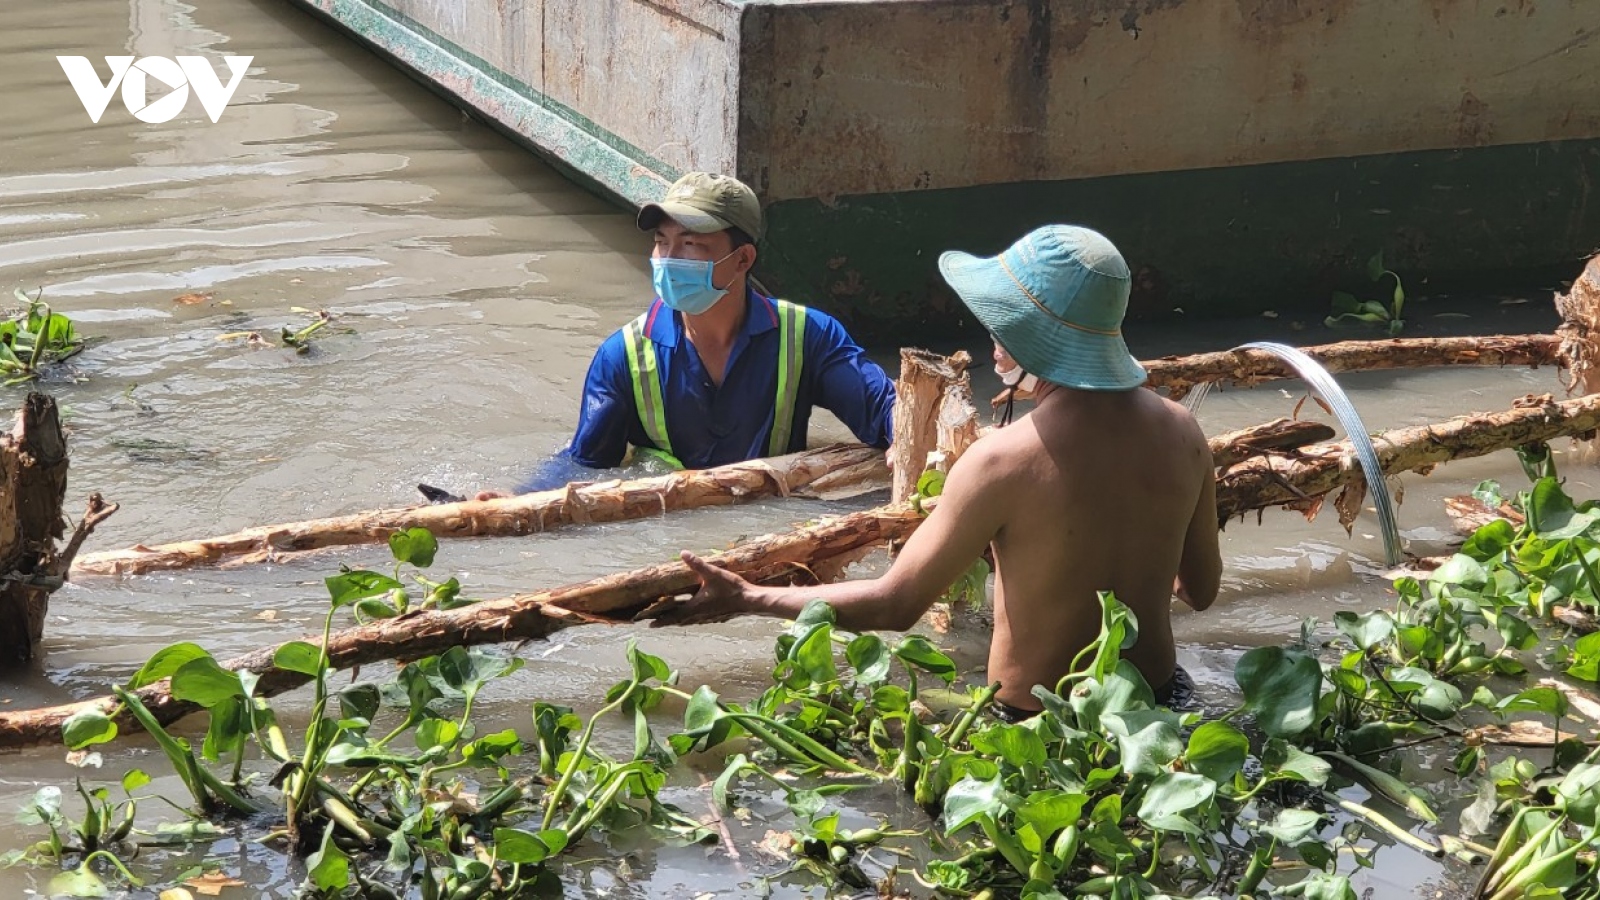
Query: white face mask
(1015, 377)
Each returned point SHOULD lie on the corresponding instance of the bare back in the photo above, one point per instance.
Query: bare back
(1101, 491)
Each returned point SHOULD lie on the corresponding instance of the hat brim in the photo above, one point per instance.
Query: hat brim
(651, 214)
(1041, 344)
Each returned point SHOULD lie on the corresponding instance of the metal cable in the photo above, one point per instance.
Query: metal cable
(1323, 385)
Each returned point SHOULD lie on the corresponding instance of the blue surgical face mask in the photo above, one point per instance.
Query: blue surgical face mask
(685, 284)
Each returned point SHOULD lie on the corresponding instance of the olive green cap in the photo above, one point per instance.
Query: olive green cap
(706, 203)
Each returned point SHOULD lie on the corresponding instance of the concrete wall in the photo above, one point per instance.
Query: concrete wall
(846, 98)
(627, 92)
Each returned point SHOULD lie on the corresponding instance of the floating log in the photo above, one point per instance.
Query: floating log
(605, 501)
(612, 600)
(1179, 374)
(33, 484)
(1273, 481)
(815, 552)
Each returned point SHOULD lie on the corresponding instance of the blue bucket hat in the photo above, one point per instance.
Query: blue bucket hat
(1055, 301)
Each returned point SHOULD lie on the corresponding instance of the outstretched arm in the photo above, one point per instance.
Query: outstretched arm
(967, 518)
(848, 384)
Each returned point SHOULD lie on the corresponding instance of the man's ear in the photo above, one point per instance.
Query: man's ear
(747, 258)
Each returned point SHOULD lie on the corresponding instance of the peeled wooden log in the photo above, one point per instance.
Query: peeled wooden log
(1267, 481)
(612, 600)
(1467, 514)
(1277, 436)
(606, 501)
(1178, 374)
(1258, 482)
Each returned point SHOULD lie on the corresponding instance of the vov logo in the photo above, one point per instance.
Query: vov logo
(175, 77)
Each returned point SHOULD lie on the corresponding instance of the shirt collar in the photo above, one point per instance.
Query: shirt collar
(664, 327)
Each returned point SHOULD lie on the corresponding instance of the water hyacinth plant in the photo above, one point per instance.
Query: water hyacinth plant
(390, 790)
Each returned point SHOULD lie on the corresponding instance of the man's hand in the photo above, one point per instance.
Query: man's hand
(490, 495)
(722, 596)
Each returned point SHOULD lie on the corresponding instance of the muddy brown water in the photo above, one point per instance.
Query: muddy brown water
(471, 283)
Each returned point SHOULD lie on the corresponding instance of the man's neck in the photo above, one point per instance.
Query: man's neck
(718, 327)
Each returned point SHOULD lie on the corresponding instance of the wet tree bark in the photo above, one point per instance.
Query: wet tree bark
(33, 482)
(1179, 374)
(827, 470)
(799, 556)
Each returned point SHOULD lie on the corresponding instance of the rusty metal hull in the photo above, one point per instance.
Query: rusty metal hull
(1244, 153)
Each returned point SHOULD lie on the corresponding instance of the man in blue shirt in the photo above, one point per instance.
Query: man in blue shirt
(714, 372)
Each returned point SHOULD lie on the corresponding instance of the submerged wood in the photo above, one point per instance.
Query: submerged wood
(789, 557)
(1179, 374)
(33, 484)
(606, 501)
(1269, 478)
(816, 552)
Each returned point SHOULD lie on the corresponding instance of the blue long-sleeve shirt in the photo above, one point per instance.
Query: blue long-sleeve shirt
(710, 425)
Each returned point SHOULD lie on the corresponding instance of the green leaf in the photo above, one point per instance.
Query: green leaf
(415, 546)
(79, 882)
(702, 712)
(436, 733)
(1547, 700)
(492, 747)
(203, 682)
(329, 867)
(1050, 811)
(1017, 745)
(1284, 760)
(1578, 794)
(1344, 303)
(87, 728)
(1552, 514)
(1172, 795)
(645, 666)
(359, 584)
(44, 808)
(298, 656)
(1217, 750)
(165, 661)
(970, 799)
(359, 701)
(1147, 739)
(916, 650)
(930, 483)
(1375, 266)
(1585, 661)
(1322, 886)
(1368, 630)
(513, 845)
(134, 779)
(1292, 825)
(1122, 690)
(1281, 687)
(813, 653)
(869, 656)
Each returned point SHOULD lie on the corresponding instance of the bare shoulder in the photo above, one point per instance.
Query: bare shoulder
(1183, 422)
(989, 459)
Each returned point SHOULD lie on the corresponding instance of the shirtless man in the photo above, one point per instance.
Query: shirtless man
(1101, 487)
